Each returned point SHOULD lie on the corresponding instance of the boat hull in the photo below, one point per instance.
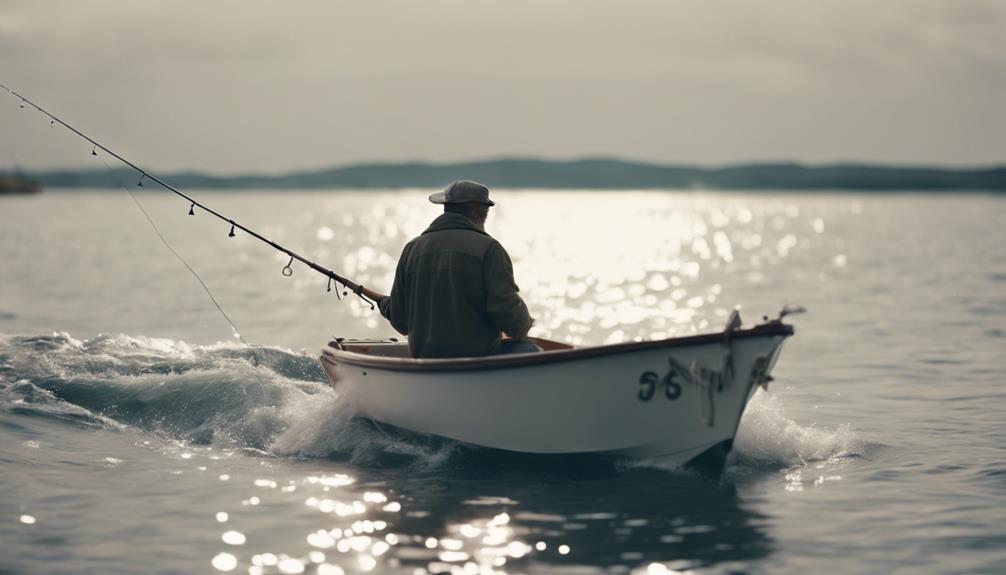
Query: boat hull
(673, 402)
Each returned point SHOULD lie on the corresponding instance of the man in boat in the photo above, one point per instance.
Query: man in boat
(454, 293)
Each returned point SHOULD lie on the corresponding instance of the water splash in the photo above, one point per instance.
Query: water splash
(328, 427)
(265, 399)
(767, 439)
(278, 402)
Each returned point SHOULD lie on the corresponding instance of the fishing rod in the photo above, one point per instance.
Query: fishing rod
(367, 295)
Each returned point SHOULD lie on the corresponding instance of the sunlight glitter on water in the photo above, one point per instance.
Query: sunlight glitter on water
(703, 254)
(224, 562)
(363, 538)
(700, 239)
(350, 540)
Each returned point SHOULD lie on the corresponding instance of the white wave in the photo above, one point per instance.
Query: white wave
(278, 400)
(228, 394)
(768, 438)
(328, 426)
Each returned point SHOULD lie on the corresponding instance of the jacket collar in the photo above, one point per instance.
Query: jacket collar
(451, 221)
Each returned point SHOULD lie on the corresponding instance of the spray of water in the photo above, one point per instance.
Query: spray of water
(278, 401)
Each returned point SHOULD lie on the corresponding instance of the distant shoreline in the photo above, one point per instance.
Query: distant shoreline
(584, 174)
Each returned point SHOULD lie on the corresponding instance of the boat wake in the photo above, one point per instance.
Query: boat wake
(278, 402)
(768, 439)
(264, 399)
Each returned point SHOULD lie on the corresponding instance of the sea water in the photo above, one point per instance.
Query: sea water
(138, 435)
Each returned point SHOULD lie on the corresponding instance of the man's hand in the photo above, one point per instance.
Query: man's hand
(376, 296)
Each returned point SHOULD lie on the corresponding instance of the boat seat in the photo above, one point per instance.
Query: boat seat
(394, 348)
(382, 347)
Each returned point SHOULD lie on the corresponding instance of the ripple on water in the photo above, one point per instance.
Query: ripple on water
(992, 474)
(244, 396)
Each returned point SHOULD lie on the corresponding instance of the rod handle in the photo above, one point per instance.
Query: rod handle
(375, 296)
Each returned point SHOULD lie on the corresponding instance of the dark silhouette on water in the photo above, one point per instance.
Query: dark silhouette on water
(454, 292)
(14, 184)
(587, 173)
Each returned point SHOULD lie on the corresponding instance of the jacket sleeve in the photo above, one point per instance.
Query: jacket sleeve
(505, 307)
(395, 307)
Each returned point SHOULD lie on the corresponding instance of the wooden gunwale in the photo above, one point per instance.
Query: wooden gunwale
(498, 362)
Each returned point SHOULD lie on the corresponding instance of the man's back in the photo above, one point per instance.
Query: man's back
(454, 292)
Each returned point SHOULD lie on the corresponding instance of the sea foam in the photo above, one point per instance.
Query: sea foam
(768, 439)
(232, 395)
(278, 401)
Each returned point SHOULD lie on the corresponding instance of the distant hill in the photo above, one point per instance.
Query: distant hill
(576, 174)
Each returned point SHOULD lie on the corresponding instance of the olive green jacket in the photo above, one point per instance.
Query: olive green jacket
(454, 292)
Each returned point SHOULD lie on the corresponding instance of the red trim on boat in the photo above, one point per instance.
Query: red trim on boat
(336, 355)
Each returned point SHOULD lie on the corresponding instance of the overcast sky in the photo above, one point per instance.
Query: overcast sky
(227, 86)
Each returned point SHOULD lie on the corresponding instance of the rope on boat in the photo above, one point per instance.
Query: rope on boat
(346, 283)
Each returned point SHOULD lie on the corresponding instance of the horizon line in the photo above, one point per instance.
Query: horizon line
(504, 158)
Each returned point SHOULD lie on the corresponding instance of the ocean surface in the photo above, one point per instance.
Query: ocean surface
(138, 435)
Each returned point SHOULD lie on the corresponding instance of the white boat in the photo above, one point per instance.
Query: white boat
(678, 400)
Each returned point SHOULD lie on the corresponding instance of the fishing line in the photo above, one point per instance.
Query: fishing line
(164, 241)
(363, 293)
